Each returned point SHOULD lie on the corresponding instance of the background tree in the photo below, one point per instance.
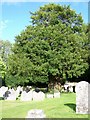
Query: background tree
(2, 72)
(52, 49)
(5, 50)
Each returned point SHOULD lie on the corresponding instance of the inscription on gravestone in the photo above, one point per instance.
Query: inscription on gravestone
(36, 113)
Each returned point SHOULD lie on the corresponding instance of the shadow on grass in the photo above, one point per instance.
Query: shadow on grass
(72, 106)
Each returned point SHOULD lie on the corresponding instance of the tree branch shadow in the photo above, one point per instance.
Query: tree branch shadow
(72, 106)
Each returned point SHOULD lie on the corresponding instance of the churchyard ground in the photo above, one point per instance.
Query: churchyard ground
(63, 107)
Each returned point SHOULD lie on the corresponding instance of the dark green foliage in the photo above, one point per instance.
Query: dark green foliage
(52, 14)
(52, 48)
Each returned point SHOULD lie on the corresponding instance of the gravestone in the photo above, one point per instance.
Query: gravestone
(12, 95)
(3, 89)
(57, 95)
(36, 113)
(19, 88)
(26, 96)
(50, 95)
(38, 96)
(82, 95)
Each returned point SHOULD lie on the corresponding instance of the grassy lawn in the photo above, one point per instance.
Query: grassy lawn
(63, 107)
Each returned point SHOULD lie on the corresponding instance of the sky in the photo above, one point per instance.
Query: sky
(15, 16)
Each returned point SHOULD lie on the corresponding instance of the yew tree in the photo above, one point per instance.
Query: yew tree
(52, 49)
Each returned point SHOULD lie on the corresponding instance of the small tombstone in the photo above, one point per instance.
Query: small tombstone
(26, 96)
(82, 97)
(19, 88)
(57, 95)
(3, 89)
(36, 113)
(12, 96)
(29, 95)
(50, 95)
(23, 96)
(38, 96)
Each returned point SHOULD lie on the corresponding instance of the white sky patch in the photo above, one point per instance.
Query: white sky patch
(3, 25)
(13, 1)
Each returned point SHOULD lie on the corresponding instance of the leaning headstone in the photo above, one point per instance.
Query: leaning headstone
(36, 113)
(82, 106)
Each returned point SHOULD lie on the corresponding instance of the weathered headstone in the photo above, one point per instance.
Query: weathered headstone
(82, 101)
(36, 113)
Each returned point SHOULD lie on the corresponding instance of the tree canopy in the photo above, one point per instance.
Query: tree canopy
(52, 48)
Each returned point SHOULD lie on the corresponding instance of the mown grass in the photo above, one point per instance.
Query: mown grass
(63, 107)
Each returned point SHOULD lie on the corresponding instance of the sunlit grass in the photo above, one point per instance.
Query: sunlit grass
(63, 107)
